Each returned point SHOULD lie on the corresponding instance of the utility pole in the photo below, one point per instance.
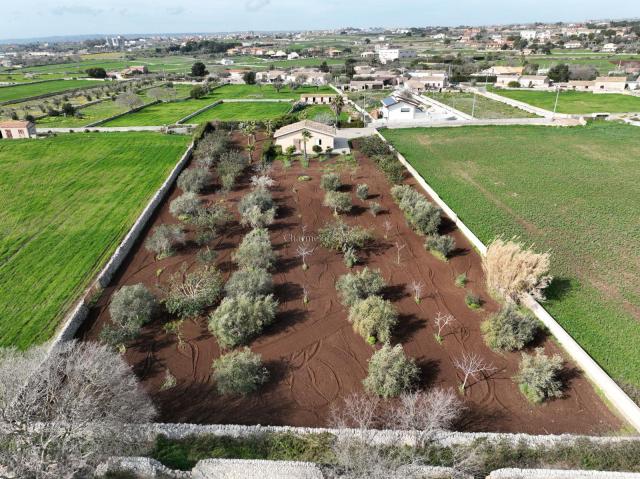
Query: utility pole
(473, 107)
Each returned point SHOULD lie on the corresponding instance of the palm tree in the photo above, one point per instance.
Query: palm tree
(251, 147)
(269, 126)
(306, 136)
(336, 106)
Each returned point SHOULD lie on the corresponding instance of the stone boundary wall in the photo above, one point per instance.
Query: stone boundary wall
(259, 100)
(196, 113)
(519, 104)
(6, 84)
(512, 473)
(430, 101)
(603, 382)
(183, 129)
(79, 313)
(113, 117)
(485, 122)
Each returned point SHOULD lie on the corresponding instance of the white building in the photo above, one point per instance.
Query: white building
(529, 35)
(291, 135)
(387, 55)
(17, 129)
(226, 61)
(610, 84)
(533, 81)
(402, 109)
(293, 56)
(609, 48)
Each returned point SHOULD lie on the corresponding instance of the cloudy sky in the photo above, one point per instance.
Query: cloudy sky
(70, 17)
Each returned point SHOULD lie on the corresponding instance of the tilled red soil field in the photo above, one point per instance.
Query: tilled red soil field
(314, 357)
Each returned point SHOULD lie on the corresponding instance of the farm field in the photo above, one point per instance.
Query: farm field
(484, 107)
(243, 111)
(155, 64)
(573, 102)
(267, 92)
(313, 355)
(16, 92)
(505, 181)
(311, 112)
(68, 201)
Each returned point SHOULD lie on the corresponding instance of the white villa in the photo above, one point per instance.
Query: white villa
(291, 135)
(402, 109)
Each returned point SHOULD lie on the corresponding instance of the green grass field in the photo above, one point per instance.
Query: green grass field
(243, 111)
(67, 202)
(265, 92)
(484, 107)
(572, 191)
(574, 102)
(17, 92)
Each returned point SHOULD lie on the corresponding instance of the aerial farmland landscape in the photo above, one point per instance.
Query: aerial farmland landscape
(282, 247)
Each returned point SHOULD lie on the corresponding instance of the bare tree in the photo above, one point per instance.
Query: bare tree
(441, 321)
(399, 248)
(129, 100)
(417, 287)
(63, 414)
(304, 251)
(360, 411)
(305, 295)
(387, 228)
(471, 365)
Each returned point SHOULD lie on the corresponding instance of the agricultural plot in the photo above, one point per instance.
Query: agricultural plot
(68, 201)
(266, 92)
(16, 92)
(314, 357)
(484, 107)
(243, 111)
(573, 102)
(506, 181)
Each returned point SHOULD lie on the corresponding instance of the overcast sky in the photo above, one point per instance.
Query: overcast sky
(39, 18)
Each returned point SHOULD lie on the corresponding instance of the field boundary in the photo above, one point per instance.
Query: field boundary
(47, 95)
(609, 388)
(425, 100)
(79, 313)
(196, 113)
(113, 117)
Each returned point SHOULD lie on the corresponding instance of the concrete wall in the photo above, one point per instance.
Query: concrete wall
(559, 474)
(602, 381)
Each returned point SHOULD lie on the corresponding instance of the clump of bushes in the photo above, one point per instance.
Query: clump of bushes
(473, 301)
(373, 318)
(339, 202)
(362, 191)
(330, 182)
(239, 318)
(391, 167)
(189, 294)
(353, 287)
(251, 281)
(375, 208)
(194, 180)
(373, 146)
(211, 148)
(390, 372)
(131, 307)
(185, 206)
(440, 246)
(210, 219)
(239, 372)
(509, 330)
(423, 216)
(255, 250)
(538, 377)
(346, 239)
(230, 165)
(257, 208)
(164, 239)
(513, 270)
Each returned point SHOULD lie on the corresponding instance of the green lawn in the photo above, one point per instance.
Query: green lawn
(243, 111)
(574, 102)
(67, 202)
(311, 112)
(573, 191)
(484, 107)
(265, 92)
(17, 92)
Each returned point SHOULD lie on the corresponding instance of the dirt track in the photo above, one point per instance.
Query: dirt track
(313, 355)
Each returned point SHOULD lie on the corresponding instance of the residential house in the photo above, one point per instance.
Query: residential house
(386, 55)
(504, 80)
(309, 75)
(293, 56)
(17, 129)
(610, 84)
(534, 81)
(421, 84)
(367, 55)
(317, 98)
(573, 45)
(580, 85)
(501, 70)
(270, 76)
(291, 135)
(226, 61)
(365, 85)
(609, 48)
(402, 109)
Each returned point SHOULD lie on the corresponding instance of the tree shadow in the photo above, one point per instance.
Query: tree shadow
(407, 326)
(429, 371)
(394, 292)
(558, 289)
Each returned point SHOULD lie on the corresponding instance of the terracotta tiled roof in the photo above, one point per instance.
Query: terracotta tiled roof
(15, 124)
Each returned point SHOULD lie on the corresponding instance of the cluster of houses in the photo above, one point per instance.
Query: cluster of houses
(128, 72)
(371, 78)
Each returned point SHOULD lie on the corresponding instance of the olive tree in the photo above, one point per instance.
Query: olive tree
(255, 250)
(163, 240)
(257, 208)
(539, 376)
(250, 281)
(510, 329)
(330, 182)
(440, 246)
(338, 201)
(185, 206)
(373, 318)
(190, 293)
(131, 307)
(422, 215)
(340, 236)
(239, 372)
(194, 180)
(211, 218)
(362, 191)
(93, 410)
(356, 286)
(239, 318)
(390, 372)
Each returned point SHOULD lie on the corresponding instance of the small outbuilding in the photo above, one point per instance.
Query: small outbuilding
(610, 84)
(317, 98)
(17, 129)
(291, 135)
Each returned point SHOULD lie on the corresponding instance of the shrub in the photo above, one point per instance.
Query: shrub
(163, 240)
(230, 165)
(461, 280)
(513, 271)
(353, 287)
(255, 250)
(473, 301)
(239, 318)
(189, 294)
(423, 216)
(185, 206)
(339, 202)
(440, 246)
(538, 376)
(373, 146)
(211, 218)
(251, 281)
(330, 182)
(392, 168)
(390, 372)
(375, 208)
(194, 180)
(239, 372)
(257, 208)
(350, 257)
(210, 149)
(509, 330)
(362, 191)
(373, 317)
(339, 236)
(256, 218)
(130, 308)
